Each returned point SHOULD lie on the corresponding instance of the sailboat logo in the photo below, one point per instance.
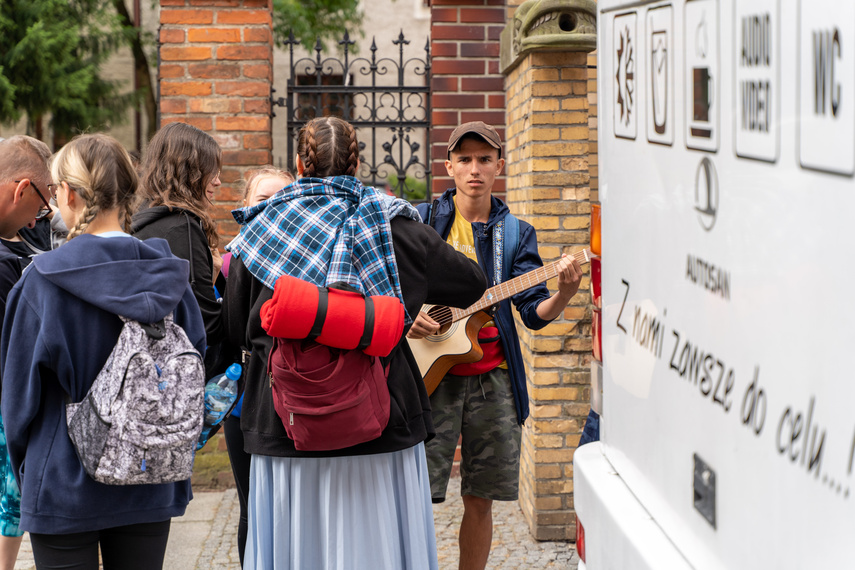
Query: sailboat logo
(706, 193)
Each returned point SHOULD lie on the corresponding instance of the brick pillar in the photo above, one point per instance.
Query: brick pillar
(216, 68)
(548, 185)
(593, 136)
(466, 84)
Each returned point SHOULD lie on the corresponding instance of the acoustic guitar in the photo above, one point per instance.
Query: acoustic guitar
(456, 342)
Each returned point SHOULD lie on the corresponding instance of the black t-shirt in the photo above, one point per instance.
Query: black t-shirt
(33, 242)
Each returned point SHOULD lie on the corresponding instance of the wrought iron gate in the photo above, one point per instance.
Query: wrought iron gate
(391, 117)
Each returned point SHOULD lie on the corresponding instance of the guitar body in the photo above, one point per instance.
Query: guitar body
(454, 344)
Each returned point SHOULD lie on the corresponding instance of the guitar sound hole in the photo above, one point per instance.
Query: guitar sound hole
(442, 315)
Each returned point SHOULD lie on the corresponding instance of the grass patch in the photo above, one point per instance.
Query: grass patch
(212, 469)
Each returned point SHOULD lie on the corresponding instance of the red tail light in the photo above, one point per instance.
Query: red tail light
(580, 539)
(595, 229)
(597, 334)
(596, 283)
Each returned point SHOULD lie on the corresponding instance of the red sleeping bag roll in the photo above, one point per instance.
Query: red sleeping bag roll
(296, 311)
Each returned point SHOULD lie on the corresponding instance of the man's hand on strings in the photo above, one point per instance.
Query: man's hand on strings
(569, 276)
(423, 326)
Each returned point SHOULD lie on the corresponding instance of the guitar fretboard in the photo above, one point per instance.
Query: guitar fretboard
(502, 291)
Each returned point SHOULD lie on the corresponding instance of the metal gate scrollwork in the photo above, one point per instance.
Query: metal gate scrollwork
(391, 117)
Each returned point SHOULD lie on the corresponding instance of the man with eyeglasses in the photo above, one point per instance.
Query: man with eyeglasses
(24, 180)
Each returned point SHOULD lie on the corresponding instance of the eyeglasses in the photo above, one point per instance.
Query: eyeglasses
(46, 209)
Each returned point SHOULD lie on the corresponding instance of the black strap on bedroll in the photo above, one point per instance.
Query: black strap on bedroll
(368, 331)
(321, 315)
(323, 305)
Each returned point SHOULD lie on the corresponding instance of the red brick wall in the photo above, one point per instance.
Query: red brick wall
(465, 81)
(215, 74)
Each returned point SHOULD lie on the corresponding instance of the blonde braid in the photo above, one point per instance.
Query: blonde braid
(86, 217)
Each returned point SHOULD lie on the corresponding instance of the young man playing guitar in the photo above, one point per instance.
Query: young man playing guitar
(486, 401)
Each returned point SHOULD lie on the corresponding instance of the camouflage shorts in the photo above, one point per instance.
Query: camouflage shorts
(482, 408)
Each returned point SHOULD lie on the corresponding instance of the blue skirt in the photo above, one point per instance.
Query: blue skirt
(342, 513)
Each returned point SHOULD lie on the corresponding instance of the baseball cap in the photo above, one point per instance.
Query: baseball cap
(480, 128)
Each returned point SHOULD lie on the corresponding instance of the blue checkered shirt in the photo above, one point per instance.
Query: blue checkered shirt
(324, 231)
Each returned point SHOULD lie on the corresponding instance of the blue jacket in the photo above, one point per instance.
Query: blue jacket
(440, 215)
(61, 325)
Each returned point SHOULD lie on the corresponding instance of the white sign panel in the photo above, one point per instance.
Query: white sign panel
(757, 43)
(702, 74)
(700, 239)
(660, 75)
(827, 86)
(625, 58)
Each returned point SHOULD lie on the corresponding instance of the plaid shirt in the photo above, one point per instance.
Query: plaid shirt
(323, 230)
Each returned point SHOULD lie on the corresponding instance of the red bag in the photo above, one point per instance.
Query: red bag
(494, 355)
(327, 398)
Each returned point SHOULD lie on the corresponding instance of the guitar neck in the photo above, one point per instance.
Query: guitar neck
(502, 291)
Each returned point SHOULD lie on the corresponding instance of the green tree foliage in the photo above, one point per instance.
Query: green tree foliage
(51, 52)
(311, 19)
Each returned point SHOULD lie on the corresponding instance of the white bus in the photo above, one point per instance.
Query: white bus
(727, 316)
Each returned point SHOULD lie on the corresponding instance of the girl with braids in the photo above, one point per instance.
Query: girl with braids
(62, 321)
(180, 175)
(365, 506)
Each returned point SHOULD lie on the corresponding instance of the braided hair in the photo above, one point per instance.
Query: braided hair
(328, 147)
(99, 170)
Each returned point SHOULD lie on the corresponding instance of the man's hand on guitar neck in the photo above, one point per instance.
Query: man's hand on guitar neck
(423, 326)
(569, 278)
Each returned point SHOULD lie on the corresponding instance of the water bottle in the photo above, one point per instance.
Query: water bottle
(220, 393)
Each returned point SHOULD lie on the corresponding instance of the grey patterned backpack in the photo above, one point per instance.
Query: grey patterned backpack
(141, 419)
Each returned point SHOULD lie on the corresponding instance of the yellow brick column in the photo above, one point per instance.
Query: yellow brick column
(548, 185)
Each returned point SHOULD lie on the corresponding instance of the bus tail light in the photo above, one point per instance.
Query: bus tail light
(580, 539)
(595, 230)
(596, 285)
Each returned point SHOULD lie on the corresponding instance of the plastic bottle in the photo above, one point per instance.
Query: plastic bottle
(220, 393)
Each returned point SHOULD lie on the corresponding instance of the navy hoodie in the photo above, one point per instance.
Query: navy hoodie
(61, 325)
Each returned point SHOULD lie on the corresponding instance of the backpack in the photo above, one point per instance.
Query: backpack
(326, 368)
(141, 419)
(328, 398)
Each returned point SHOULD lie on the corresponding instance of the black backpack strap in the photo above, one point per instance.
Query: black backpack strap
(190, 251)
(321, 314)
(155, 330)
(368, 330)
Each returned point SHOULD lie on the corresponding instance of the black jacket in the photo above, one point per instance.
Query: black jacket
(183, 231)
(10, 272)
(430, 271)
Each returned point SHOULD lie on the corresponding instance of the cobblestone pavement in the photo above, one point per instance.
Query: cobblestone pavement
(513, 545)
(205, 538)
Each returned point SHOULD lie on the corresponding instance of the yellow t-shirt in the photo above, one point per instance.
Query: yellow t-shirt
(462, 239)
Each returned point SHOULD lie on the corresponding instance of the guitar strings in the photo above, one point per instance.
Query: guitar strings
(442, 315)
(445, 315)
